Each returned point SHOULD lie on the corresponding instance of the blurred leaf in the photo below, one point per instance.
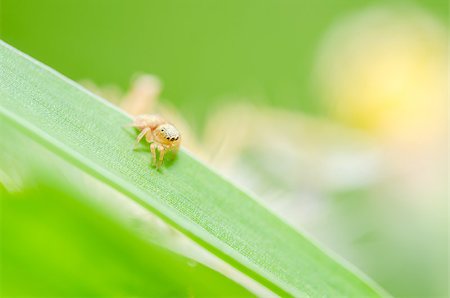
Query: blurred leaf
(90, 133)
(53, 246)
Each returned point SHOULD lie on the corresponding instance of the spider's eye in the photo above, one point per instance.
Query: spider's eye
(167, 138)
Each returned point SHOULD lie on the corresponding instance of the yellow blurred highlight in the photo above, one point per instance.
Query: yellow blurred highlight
(385, 71)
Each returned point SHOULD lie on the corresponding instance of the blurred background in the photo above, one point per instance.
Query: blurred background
(335, 113)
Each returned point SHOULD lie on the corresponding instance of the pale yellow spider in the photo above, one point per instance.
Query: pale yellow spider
(159, 133)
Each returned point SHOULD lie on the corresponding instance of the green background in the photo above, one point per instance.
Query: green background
(205, 52)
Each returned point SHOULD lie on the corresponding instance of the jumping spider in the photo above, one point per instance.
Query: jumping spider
(159, 133)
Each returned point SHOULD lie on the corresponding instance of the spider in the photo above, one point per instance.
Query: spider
(159, 133)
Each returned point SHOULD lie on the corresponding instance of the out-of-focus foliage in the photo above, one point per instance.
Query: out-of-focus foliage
(55, 246)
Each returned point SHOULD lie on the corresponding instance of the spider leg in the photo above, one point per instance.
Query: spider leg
(162, 151)
(140, 136)
(149, 136)
(153, 150)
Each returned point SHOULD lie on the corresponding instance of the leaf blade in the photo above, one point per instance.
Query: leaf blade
(89, 132)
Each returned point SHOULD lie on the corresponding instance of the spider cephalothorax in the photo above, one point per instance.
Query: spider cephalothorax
(166, 133)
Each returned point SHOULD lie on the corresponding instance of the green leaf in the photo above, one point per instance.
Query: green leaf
(58, 242)
(53, 245)
(89, 132)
